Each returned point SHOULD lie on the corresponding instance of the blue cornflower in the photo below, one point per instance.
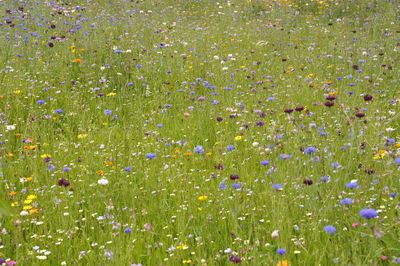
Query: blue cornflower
(335, 165)
(264, 162)
(127, 230)
(346, 201)
(128, 169)
(368, 213)
(397, 160)
(281, 251)
(230, 148)
(329, 229)
(58, 111)
(235, 185)
(352, 185)
(309, 150)
(40, 102)
(277, 186)
(65, 169)
(198, 149)
(222, 186)
(150, 156)
(107, 112)
(325, 179)
(284, 156)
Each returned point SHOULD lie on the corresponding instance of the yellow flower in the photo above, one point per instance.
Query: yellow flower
(282, 263)
(27, 207)
(189, 153)
(398, 145)
(182, 247)
(45, 156)
(202, 198)
(17, 92)
(33, 211)
(28, 179)
(380, 154)
(27, 202)
(111, 94)
(209, 153)
(238, 138)
(12, 193)
(31, 197)
(187, 261)
(82, 136)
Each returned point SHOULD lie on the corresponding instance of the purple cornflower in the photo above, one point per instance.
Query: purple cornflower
(329, 229)
(335, 165)
(346, 201)
(368, 213)
(325, 179)
(230, 148)
(199, 149)
(150, 156)
(235, 186)
(352, 185)
(277, 186)
(281, 251)
(284, 156)
(309, 150)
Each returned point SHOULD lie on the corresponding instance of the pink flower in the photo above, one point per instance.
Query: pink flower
(355, 225)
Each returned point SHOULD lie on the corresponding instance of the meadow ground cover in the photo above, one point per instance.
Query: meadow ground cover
(199, 132)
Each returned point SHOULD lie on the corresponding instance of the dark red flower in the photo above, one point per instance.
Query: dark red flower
(368, 97)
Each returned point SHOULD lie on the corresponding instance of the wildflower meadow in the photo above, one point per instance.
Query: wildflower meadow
(199, 132)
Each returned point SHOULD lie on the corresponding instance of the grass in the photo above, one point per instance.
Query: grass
(90, 88)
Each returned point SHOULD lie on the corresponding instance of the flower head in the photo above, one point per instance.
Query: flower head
(281, 251)
(368, 213)
(329, 229)
(150, 156)
(199, 149)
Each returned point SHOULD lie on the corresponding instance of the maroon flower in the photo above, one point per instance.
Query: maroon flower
(360, 115)
(235, 259)
(219, 166)
(288, 110)
(330, 97)
(329, 103)
(62, 182)
(299, 108)
(234, 177)
(368, 97)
